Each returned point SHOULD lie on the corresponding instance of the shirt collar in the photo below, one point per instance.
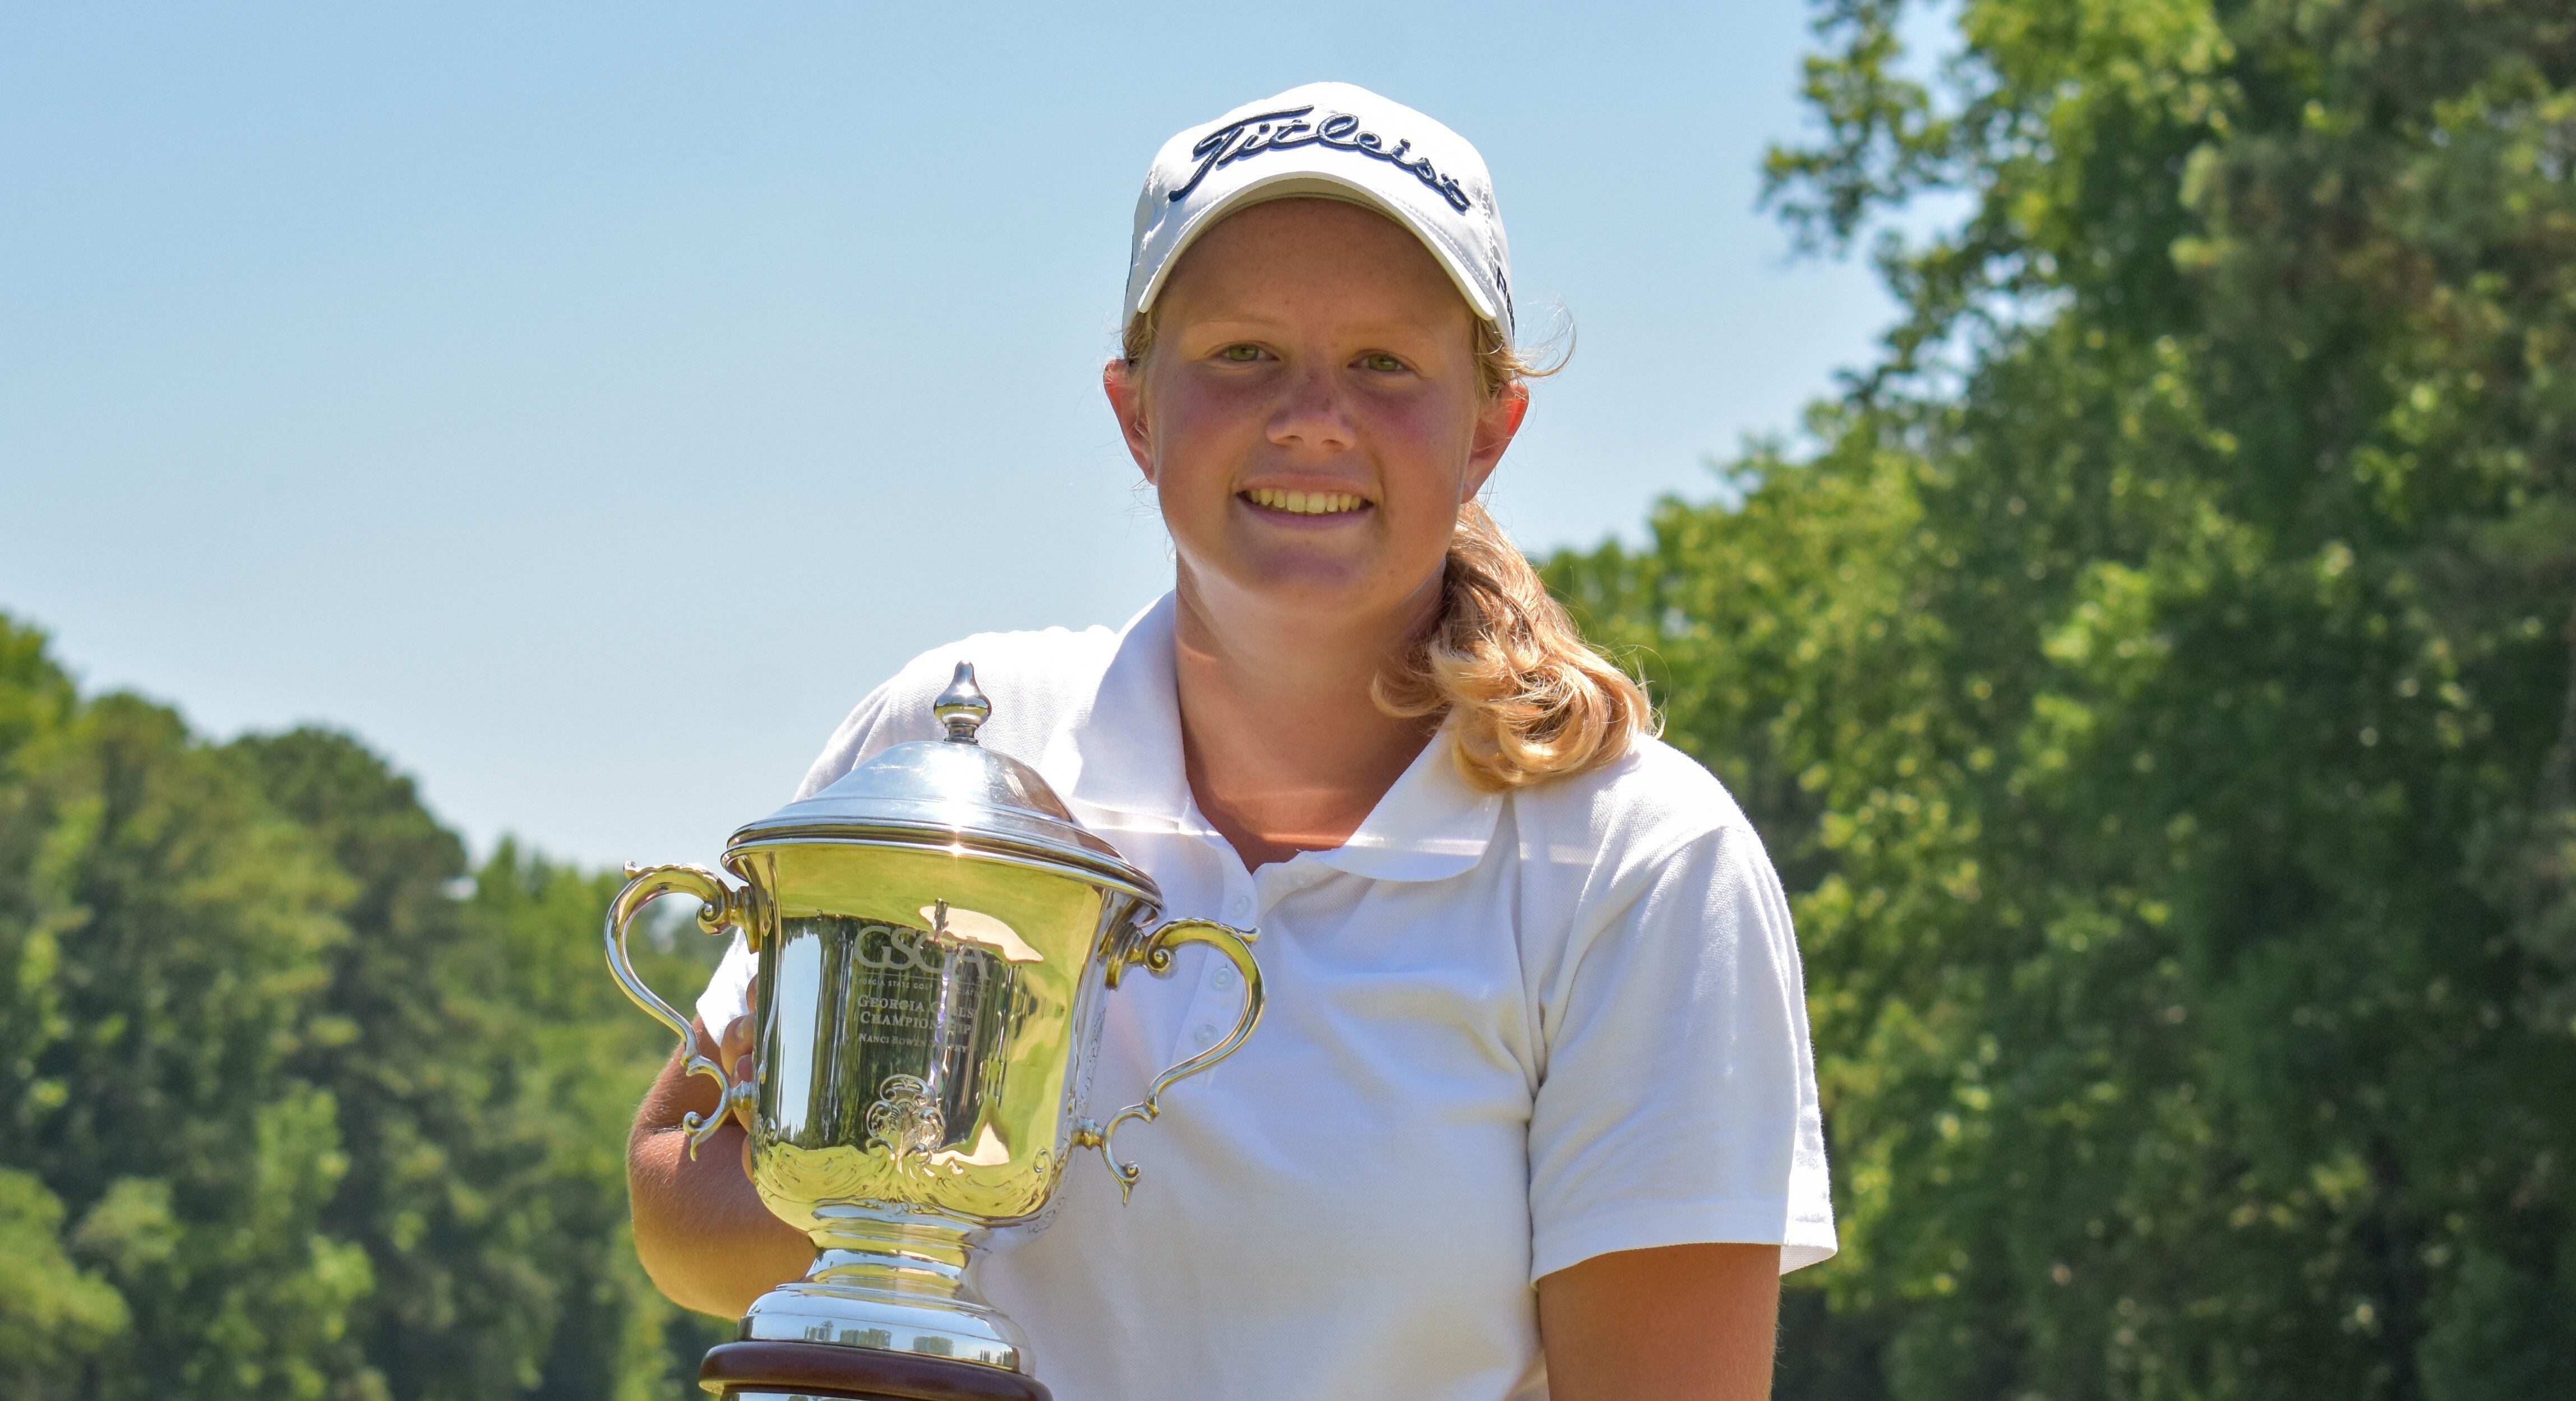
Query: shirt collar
(1119, 749)
(1119, 754)
(1431, 825)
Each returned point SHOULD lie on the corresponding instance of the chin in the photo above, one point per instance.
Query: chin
(1316, 590)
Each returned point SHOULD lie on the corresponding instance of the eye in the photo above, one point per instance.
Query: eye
(1243, 354)
(1381, 362)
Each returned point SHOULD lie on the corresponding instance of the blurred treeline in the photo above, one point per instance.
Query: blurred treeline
(2154, 681)
(294, 1102)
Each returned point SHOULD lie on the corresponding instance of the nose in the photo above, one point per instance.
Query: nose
(1310, 413)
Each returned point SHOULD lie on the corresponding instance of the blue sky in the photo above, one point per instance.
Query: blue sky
(584, 404)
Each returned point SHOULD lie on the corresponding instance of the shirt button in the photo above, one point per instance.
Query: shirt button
(1224, 978)
(1205, 1036)
(1242, 906)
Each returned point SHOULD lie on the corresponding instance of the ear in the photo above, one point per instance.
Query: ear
(1123, 381)
(1497, 423)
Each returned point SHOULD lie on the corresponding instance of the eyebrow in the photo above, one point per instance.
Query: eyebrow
(1220, 325)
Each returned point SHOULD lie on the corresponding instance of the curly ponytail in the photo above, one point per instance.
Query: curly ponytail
(1529, 698)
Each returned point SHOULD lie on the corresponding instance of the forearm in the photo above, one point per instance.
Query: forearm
(700, 1229)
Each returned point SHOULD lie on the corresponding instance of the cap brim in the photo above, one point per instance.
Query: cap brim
(1295, 183)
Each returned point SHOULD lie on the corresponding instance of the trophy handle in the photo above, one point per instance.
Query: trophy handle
(720, 907)
(1155, 953)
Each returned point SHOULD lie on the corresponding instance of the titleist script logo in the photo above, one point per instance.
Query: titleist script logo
(1287, 128)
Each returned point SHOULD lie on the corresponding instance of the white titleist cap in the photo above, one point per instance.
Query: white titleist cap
(1339, 141)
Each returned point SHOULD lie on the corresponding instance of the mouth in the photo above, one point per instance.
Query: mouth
(1305, 503)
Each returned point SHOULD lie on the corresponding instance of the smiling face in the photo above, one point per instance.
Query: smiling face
(1312, 414)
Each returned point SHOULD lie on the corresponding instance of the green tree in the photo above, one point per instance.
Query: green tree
(586, 1055)
(422, 1060)
(488, 1072)
(160, 935)
(300, 1105)
(54, 1315)
(2157, 686)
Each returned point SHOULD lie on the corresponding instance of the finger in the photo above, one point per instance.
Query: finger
(743, 1073)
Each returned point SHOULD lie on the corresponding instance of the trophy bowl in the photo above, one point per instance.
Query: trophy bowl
(936, 939)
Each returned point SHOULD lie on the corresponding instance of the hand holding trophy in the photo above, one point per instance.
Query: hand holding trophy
(936, 937)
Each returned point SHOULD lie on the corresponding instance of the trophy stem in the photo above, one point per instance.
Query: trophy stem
(895, 1282)
(925, 1257)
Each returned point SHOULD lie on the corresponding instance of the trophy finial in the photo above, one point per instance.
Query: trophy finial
(962, 706)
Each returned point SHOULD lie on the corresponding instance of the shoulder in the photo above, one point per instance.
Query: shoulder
(1032, 678)
(1647, 838)
(1645, 868)
(1635, 812)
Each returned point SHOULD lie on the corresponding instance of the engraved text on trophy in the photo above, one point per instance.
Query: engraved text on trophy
(891, 1035)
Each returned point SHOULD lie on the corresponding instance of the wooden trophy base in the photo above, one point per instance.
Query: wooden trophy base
(745, 1371)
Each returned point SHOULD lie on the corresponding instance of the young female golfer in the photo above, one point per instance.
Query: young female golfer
(1532, 1112)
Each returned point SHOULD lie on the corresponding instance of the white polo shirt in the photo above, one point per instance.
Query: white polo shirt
(1506, 1033)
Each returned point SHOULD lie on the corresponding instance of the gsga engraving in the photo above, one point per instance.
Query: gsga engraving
(917, 987)
(910, 1026)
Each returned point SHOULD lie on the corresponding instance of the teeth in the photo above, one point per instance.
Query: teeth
(1306, 503)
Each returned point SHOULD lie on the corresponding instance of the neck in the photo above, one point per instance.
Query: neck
(1284, 749)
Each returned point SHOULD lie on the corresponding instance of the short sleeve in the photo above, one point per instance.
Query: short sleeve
(1677, 1104)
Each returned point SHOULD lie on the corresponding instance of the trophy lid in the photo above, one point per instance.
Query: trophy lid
(951, 793)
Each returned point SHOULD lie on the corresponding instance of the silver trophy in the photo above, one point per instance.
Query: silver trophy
(936, 939)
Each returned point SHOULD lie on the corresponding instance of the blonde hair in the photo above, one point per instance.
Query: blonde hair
(1503, 662)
